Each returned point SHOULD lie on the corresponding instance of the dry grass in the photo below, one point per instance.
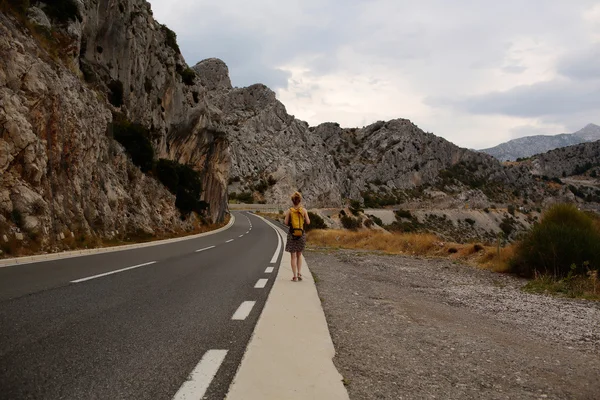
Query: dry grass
(583, 287)
(418, 244)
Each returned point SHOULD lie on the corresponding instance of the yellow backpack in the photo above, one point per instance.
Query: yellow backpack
(296, 222)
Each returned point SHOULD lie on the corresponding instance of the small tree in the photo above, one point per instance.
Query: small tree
(564, 237)
(316, 222)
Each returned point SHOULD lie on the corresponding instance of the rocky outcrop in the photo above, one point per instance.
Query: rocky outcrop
(60, 174)
(531, 145)
(567, 161)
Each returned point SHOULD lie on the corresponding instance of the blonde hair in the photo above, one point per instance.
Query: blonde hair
(296, 198)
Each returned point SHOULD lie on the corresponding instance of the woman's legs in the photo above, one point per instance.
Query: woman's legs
(294, 265)
(299, 263)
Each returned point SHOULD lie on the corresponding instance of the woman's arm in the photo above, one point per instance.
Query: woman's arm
(287, 218)
(306, 219)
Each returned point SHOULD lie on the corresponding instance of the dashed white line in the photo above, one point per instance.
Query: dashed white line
(243, 311)
(206, 248)
(241, 236)
(112, 272)
(269, 270)
(201, 377)
(247, 232)
(230, 240)
(260, 284)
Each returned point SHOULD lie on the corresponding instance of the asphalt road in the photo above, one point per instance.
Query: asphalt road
(138, 333)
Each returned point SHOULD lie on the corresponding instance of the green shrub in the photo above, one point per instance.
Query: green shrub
(166, 171)
(62, 11)
(507, 225)
(171, 39)
(262, 187)
(511, 209)
(470, 221)
(245, 197)
(355, 207)
(17, 218)
(316, 222)
(188, 190)
(116, 93)
(564, 237)
(377, 220)
(135, 138)
(403, 214)
(187, 76)
(349, 222)
(18, 6)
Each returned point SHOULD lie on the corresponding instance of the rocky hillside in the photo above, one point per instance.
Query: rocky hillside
(528, 146)
(68, 72)
(582, 159)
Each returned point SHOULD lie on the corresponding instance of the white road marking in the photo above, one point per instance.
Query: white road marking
(201, 377)
(269, 270)
(260, 284)
(206, 248)
(112, 272)
(243, 311)
(247, 232)
(241, 236)
(276, 254)
(230, 240)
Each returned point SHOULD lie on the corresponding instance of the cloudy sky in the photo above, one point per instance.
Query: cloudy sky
(475, 72)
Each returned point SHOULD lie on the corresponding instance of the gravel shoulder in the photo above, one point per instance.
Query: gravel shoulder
(417, 328)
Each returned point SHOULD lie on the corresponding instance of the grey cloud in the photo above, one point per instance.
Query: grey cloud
(538, 100)
(582, 66)
(514, 69)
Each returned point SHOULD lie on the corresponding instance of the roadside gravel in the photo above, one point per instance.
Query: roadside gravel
(416, 328)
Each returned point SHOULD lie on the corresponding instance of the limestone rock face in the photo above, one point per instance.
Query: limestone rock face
(123, 45)
(213, 74)
(567, 161)
(59, 170)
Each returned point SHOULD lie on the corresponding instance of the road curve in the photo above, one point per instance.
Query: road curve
(162, 322)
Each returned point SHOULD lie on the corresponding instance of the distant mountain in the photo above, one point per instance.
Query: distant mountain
(531, 145)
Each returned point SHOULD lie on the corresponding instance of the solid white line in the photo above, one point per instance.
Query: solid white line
(111, 272)
(206, 248)
(260, 284)
(230, 240)
(276, 254)
(269, 270)
(201, 377)
(243, 311)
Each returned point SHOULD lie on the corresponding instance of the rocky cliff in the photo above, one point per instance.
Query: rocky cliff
(580, 159)
(531, 145)
(63, 78)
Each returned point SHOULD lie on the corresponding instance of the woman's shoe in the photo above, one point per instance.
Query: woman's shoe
(294, 279)
(299, 277)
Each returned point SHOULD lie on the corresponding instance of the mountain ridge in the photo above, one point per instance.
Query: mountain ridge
(530, 145)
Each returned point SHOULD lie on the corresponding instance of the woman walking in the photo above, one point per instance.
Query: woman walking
(296, 217)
